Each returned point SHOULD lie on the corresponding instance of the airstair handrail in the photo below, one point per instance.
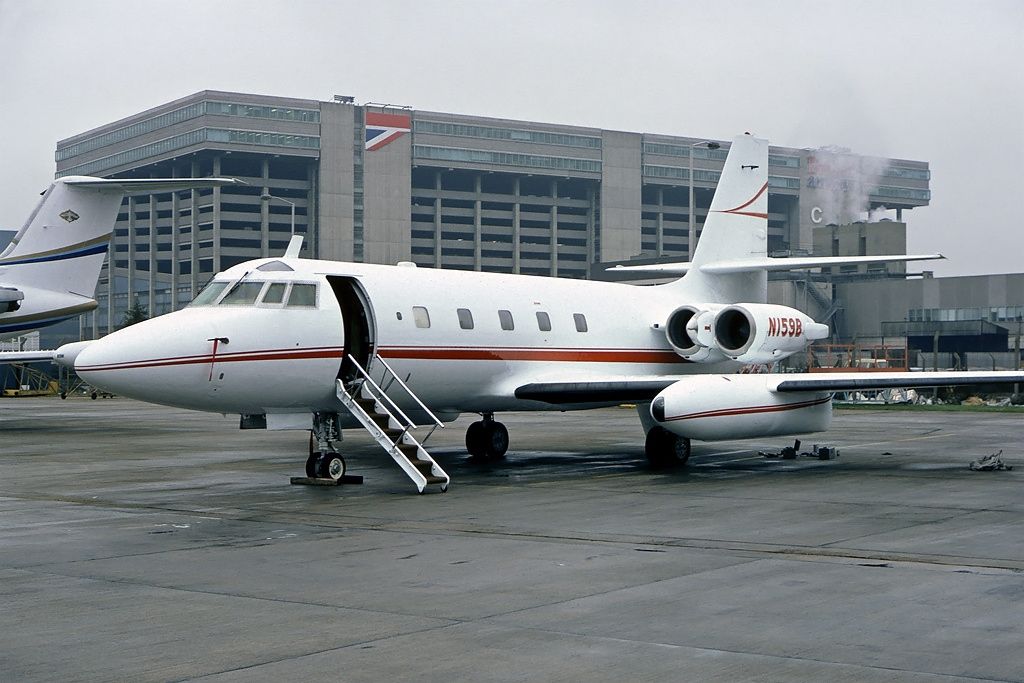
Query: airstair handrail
(410, 392)
(381, 394)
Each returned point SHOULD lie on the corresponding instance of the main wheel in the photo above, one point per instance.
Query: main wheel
(311, 465)
(330, 466)
(664, 449)
(496, 440)
(476, 439)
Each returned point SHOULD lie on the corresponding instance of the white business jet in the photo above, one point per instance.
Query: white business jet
(48, 272)
(322, 346)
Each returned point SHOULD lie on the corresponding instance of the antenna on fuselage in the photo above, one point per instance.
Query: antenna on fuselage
(294, 247)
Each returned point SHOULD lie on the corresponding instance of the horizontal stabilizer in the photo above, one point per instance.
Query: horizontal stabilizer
(128, 186)
(772, 264)
(804, 262)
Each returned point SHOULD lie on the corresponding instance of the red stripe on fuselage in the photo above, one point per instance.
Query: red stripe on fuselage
(520, 354)
(241, 356)
(751, 410)
(414, 353)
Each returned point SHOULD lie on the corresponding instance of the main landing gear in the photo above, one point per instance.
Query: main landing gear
(665, 449)
(487, 439)
(324, 461)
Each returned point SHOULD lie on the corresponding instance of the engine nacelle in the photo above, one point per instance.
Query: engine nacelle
(10, 299)
(690, 331)
(721, 407)
(764, 333)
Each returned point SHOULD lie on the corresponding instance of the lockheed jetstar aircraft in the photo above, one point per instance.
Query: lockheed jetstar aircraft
(48, 272)
(292, 343)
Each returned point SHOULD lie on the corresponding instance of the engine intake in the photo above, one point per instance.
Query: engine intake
(689, 331)
(764, 333)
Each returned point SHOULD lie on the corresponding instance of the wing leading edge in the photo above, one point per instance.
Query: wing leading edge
(630, 390)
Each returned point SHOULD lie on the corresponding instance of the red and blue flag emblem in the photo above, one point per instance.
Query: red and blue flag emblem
(382, 129)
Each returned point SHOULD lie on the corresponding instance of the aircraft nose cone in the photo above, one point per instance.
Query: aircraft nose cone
(151, 361)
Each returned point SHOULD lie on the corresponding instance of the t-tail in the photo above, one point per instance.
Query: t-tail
(736, 227)
(49, 270)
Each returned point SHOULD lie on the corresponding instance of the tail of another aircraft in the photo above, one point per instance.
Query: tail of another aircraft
(736, 229)
(62, 244)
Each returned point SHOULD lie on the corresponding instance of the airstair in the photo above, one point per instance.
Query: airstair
(391, 427)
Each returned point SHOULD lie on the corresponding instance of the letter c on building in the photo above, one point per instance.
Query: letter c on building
(816, 215)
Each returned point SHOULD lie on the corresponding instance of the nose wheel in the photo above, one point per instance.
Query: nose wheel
(324, 461)
(487, 439)
(325, 466)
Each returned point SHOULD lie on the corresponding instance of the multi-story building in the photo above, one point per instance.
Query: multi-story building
(381, 184)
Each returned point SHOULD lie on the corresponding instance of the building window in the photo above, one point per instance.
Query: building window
(581, 322)
(505, 318)
(465, 318)
(543, 321)
(421, 316)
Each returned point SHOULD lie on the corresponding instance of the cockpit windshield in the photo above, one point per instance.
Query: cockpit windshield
(247, 293)
(209, 293)
(242, 294)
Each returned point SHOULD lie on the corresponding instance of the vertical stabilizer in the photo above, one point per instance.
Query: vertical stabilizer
(736, 227)
(62, 244)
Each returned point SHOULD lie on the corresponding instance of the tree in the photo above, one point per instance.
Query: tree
(136, 313)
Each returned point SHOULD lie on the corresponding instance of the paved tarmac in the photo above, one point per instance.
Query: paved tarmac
(150, 544)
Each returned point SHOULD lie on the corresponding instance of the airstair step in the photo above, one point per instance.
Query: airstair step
(422, 465)
(372, 407)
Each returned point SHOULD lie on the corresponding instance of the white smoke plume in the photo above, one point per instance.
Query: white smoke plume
(843, 183)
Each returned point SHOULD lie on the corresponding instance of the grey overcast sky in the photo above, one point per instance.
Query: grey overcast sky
(932, 80)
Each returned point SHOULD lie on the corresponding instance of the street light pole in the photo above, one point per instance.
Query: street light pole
(692, 232)
(266, 197)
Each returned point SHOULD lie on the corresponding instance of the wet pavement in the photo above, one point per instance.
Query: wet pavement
(150, 544)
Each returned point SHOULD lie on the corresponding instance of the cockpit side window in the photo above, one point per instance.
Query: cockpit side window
(274, 293)
(209, 293)
(302, 295)
(242, 294)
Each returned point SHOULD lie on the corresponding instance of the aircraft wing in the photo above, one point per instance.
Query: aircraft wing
(613, 390)
(26, 356)
(859, 381)
(639, 389)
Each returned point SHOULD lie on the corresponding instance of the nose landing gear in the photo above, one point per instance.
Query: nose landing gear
(487, 439)
(324, 461)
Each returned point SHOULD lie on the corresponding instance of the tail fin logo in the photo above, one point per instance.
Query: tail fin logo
(738, 210)
(70, 216)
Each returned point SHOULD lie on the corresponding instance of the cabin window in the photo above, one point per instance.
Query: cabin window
(398, 314)
(465, 318)
(274, 293)
(209, 293)
(543, 321)
(421, 316)
(581, 322)
(303, 295)
(242, 294)
(505, 318)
